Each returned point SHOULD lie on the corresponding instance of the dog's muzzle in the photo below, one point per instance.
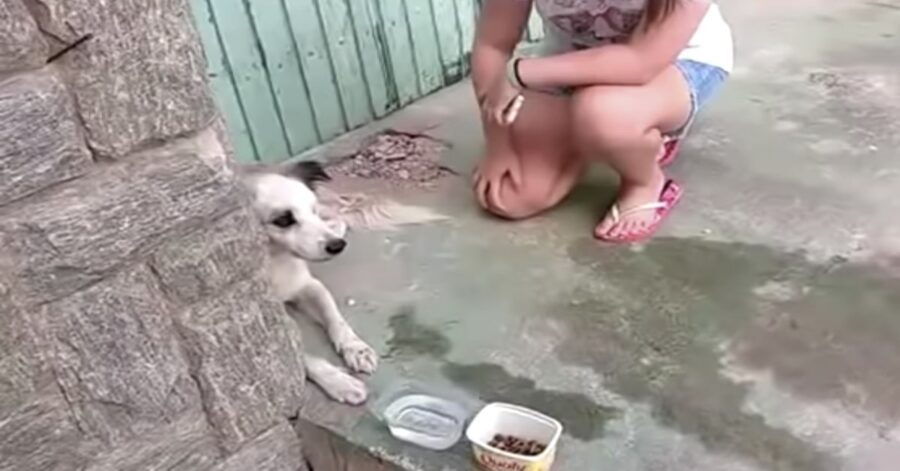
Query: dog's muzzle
(335, 246)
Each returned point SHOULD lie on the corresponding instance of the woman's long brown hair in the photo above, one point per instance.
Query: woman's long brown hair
(658, 10)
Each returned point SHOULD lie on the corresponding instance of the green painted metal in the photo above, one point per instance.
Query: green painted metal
(292, 74)
(222, 84)
(535, 27)
(424, 45)
(373, 54)
(286, 78)
(447, 26)
(250, 77)
(315, 59)
(399, 47)
(466, 12)
(345, 60)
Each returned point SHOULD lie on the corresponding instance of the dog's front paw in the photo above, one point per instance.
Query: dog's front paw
(358, 355)
(342, 387)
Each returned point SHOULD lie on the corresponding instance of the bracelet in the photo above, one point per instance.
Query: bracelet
(512, 73)
(514, 78)
(518, 77)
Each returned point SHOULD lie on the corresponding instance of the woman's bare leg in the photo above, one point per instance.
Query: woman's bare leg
(623, 126)
(541, 141)
(553, 137)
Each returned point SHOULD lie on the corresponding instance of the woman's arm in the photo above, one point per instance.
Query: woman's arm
(499, 30)
(639, 61)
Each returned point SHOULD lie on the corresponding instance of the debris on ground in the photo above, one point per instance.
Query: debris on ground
(398, 157)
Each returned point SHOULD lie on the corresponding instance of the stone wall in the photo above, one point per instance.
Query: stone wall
(137, 332)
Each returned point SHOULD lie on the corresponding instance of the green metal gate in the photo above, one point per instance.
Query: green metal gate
(291, 74)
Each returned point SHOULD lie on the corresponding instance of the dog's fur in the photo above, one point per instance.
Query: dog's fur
(286, 204)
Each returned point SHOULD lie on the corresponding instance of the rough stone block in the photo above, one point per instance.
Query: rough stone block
(247, 365)
(115, 355)
(204, 262)
(80, 232)
(140, 79)
(39, 139)
(208, 145)
(22, 45)
(22, 372)
(184, 445)
(278, 449)
(325, 449)
(40, 436)
(221, 131)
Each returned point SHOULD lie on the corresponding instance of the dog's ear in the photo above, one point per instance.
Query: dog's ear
(309, 172)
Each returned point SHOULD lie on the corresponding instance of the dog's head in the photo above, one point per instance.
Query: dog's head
(286, 204)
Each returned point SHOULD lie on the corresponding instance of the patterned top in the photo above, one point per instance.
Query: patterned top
(593, 22)
(579, 24)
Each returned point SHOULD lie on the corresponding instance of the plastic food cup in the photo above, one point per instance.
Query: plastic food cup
(526, 424)
(425, 420)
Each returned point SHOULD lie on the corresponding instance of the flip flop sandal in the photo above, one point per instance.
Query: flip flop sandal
(668, 152)
(668, 197)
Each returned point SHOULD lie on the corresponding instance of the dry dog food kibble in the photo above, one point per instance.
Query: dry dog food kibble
(516, 445)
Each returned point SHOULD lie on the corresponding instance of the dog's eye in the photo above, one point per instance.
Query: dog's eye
(285, 219)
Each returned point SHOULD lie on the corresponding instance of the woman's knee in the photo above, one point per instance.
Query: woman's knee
(518, 202)
(606, 119)
(535, 193)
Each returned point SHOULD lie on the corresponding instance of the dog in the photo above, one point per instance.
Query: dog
(287, 206)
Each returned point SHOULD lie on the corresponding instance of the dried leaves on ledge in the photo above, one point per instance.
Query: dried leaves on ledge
(397, 157)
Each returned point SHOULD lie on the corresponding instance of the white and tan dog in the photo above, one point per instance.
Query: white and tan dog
(285, 202)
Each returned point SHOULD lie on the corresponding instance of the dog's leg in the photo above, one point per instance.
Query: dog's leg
(315, 300)
(337, 383)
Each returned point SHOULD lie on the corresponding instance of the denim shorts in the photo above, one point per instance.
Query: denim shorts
(703, 82)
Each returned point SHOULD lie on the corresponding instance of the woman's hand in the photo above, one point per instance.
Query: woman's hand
(489, 176)
(502, 102)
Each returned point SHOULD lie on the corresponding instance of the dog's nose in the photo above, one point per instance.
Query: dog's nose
(335, 246)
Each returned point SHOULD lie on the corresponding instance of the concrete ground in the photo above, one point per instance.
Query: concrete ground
(759, 331)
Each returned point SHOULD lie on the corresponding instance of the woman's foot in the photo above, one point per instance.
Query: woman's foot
(635, 211)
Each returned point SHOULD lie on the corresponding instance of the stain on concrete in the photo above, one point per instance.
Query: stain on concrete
(840, 335)
(886, 5)
(786, 125)
(833, 147)
(864, 95)
(581, 417)
(659, 320)
(411, 338)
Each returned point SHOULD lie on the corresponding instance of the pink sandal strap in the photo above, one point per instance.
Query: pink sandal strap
(668, 197)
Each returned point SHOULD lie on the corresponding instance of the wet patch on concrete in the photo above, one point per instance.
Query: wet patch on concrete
(659, 320)
(581, 417)
(410, 338)
(837, 340)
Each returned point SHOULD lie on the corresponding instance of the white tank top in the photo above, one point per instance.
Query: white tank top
(589, 23)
